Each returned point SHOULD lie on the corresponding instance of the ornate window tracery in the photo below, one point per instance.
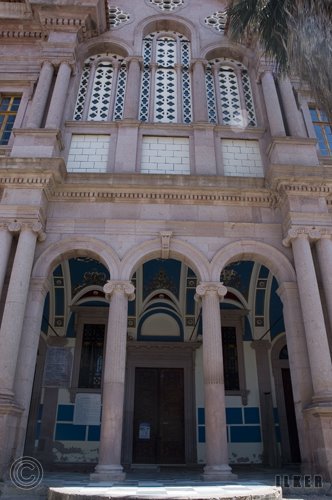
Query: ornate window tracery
(102, 88)
(229, 94)
(167, 5)
(166, 83)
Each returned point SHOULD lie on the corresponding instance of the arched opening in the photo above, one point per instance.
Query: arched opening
(65, 409)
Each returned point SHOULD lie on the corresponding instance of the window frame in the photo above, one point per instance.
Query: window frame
(235, 318)
(93, 315)
(321, 123)
(12, 93)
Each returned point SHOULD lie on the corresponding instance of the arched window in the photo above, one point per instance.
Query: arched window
(229, 95)
(102, 88)
(166, 86)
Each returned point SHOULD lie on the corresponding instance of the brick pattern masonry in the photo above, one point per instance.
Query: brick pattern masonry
(165, 155)
(88, 153)
(242, 158)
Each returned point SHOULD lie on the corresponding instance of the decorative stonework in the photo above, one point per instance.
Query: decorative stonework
(117, 16)
(217, 21)
(210, 287)
(167, 5)
(165, 243)
(310, 233)
(125, 287)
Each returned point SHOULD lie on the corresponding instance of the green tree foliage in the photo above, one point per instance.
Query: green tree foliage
(296, 34)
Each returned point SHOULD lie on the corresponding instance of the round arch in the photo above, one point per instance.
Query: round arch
(178, 250)
(103, 44)
(266, 254)
(228, 50)
(76, 247)
(166, 23)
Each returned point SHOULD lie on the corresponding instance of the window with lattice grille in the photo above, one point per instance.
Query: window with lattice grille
(229, 94)
(166, 82)
(9, 105)
(102, 89)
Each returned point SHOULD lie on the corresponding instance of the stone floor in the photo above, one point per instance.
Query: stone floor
(253, 482)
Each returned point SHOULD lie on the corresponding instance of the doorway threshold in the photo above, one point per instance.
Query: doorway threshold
(154, 467)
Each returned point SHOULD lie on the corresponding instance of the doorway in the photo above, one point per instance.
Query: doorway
(158, 434)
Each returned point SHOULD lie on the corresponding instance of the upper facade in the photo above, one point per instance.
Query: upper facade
(86, 81)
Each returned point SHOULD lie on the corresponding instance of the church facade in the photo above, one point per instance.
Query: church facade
(165, 234)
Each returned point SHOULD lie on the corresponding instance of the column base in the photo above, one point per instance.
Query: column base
(218, 473)
(10, 414)
(108, 473)
(320, 424)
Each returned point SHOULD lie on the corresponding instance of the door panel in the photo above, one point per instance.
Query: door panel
(159, 416)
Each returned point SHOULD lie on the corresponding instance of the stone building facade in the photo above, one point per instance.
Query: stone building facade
(166, 244)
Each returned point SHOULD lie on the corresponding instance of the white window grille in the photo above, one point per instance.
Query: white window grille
(102, 89)
(229, 94)
(166, 82)
(167, 5)
(117, 16)
(217, 21)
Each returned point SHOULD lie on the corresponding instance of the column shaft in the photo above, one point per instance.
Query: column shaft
(314, 325)
(293, 116)
(272, 105)
(26, 362)
(216, 448)
(59, 96)
(41, 94)
(324, 252)
(13, 315)
(199, 92)
(298, 363)
(5, 246)
(109, 464)
(133, 88)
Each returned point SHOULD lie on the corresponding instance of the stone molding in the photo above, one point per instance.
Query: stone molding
(310, 233)
(210, 287)
(124, 287)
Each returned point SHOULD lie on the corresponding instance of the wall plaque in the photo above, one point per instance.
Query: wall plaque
(57, 367)
(87, 409)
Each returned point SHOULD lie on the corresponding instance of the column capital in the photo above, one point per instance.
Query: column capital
(287, 286)
(309, 233)
(124, 287)
(131, 59)
(17, 227)
(198, 60)
(47, 62)
(210, 288)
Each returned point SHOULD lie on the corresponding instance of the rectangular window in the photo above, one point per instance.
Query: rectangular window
(230, 357)
(9, 105)
(323, 129)
(91, 362)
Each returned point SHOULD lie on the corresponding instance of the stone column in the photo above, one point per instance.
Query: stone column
(272, 105)
(133, 88)
(26, 362)
(10, 336)
(41, 94)
(293, 116)
(6, 239)
(298, 364)
(314, 325)
(216, 448)
(324, 253)
(200, 109)
(109, 464)
(59, 96)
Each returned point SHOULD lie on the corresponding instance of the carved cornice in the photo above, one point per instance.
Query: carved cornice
(22, 33)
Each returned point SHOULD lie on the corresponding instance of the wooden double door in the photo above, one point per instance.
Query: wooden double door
(158, 433)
